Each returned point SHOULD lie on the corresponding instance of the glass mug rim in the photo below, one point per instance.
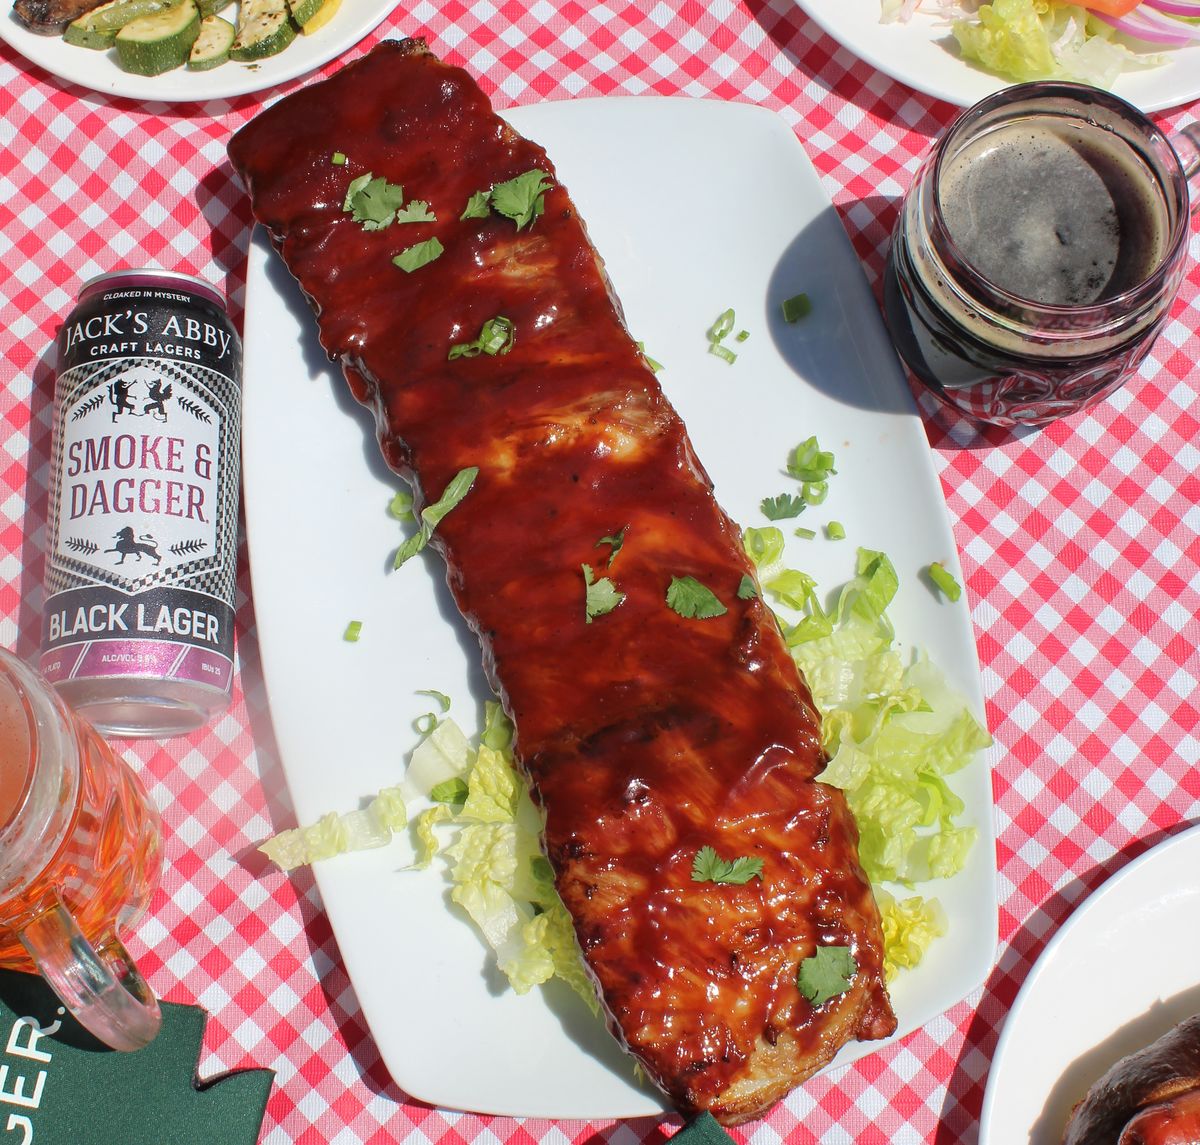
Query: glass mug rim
(42, 816)
(1027, 100)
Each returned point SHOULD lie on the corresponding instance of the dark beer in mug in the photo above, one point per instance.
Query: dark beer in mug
(1037, 253)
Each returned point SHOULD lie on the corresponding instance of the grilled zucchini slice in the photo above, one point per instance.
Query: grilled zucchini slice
(98, 28)
(157, 43)
(211, 48)
(264, 28)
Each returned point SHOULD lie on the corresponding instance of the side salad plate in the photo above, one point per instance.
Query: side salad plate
(923, 53)
(730, 214)
(98, 71)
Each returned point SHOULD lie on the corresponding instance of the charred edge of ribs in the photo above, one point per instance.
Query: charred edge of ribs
(645, 735)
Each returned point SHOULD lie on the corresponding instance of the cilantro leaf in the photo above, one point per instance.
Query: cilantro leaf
(601, 596)
(693, 600)
(522, 199)
(614, 542)
(709, 867)
(373, 201)
(478, 206)
(418, 255)
(416, 211)
(495, 337)
(747, 589)
(784, 506)
(457, 488)
(826, 974)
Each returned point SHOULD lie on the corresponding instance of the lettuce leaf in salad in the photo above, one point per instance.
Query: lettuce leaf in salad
(1041, 39)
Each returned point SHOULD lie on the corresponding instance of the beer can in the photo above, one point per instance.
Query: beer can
(141, 566)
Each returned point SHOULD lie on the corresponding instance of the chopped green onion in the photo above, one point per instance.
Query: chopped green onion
(835, 531)
(722, 352)
(441, 697)
(400, 506)
(809, 462)
(721, 327)
(806, 534)
(352, 631)
(796, 307)
(945, 581)
(814, 492)
(338, 159)
(495, 337)
(742, 335)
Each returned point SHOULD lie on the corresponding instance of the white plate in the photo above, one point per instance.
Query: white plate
(924, 54)
(1119, 974)
(99, 72)
(696, 206)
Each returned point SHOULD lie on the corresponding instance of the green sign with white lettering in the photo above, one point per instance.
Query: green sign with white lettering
(60, 1086)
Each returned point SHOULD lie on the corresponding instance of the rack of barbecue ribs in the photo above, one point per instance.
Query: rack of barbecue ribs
(1150, 1097)
(657, 711)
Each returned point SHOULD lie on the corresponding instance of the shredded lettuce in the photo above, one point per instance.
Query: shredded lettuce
(1042, 39)
(909, 928)
(490, 841)
(334, 834)
(893, 732)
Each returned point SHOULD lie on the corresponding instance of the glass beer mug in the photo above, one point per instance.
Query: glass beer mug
(80, 852)
(1038, 252)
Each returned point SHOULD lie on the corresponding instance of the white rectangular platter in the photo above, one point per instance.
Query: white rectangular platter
(696, 206)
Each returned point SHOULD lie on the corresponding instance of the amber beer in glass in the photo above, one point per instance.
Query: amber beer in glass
(1038, 252)
(80, 853)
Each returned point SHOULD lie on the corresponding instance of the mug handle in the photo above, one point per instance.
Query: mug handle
(1189, 156)
(101, 986)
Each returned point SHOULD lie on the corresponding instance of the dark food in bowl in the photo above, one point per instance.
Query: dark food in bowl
(1151, 1097)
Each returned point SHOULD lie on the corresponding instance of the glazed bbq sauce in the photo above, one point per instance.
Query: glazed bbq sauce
(646, 735)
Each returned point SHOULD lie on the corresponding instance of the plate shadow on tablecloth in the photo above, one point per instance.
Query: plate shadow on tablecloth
(843, 348)
(959, 1123)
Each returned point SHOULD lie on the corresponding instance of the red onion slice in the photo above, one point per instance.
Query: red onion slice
(1153, 27)
(1176, 7)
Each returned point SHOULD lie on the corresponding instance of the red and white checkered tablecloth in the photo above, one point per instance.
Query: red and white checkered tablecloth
(1079, 544)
